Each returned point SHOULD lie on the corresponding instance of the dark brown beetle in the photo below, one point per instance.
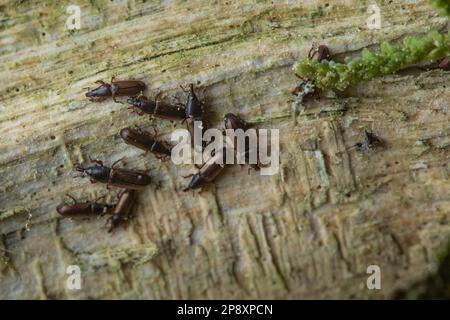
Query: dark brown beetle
(82, 210)
(115, 177)
(116, 88)
(122, 209)
(193, 105)
(157, 109)
(371, 143)
(145, 141)
(319, 53)
(232, 121)
(208, 172)
(193, 112)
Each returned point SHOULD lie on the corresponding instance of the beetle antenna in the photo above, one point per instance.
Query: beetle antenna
(79, 168)
(69, 196)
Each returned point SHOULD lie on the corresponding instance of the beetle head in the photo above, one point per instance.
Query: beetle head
(196, 182)
(103, 91)
(114, 221)
(193, 105)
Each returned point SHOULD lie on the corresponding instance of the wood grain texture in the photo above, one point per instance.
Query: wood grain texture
(309, 232)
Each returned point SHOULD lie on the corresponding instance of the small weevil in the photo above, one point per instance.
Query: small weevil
(115, 177)
(319, 53)
(122, 209)
(115, 88)
(145, 141)
(157, 109)
(85, 209)
(194, 108)
(208, 172)
(194, 113)
(371, 143)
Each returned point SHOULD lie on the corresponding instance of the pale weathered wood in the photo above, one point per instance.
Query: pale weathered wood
(309, 232)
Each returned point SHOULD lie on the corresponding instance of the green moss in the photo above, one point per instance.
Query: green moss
(333, 75)
(443, 6)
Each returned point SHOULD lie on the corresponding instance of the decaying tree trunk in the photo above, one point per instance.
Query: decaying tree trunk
(310, 231)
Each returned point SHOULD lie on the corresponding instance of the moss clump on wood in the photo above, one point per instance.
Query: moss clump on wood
(332, 75)
(442, 6)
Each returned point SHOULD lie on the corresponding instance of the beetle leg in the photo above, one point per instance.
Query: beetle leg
(157, 102)
(157, 97)
(144, 154)
(74, 200)
(188, 176)
(81, 175)
(155, 133)
(97, 161)
(97, 99)
(116, 162)
(115, 100)
(138, 129)
(101, 197)
(312, 52)
(112, 79)
(178, 102)
(100, 82)
(114, 90)
(184, 90)
(120, 193)
(108, 221)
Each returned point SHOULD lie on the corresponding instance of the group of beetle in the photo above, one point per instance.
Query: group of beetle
(191, 112)
(129, 180)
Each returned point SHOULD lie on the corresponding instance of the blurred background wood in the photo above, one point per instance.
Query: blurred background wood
(310, 231)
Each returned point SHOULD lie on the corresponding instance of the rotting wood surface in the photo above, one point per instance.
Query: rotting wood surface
(309, 232)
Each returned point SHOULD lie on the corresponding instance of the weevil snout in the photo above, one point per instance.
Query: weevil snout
(196, 182)
(114, 221)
